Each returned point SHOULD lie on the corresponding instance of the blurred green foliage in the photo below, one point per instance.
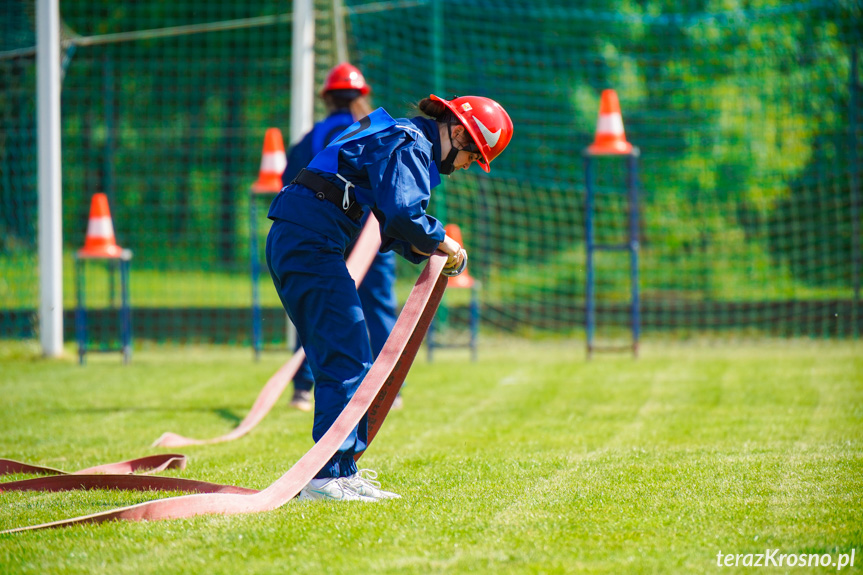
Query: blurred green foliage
(743, 111)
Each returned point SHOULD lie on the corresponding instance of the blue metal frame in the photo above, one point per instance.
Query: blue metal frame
(632, 246)
(431, 343)
(256, 272)
(125, 313)
(255, 259)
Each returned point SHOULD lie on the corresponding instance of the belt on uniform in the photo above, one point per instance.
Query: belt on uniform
(326, 190)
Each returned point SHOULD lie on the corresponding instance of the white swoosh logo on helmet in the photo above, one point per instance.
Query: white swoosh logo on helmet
(491, 138)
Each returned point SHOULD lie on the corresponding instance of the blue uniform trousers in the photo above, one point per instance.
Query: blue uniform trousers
(316, 290)
(378, 298)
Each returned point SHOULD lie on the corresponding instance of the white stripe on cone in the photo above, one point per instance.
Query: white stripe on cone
(610, 124)
(100, 228)
(274, 163)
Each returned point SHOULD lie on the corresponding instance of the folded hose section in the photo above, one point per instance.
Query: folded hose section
(150, 464)
(374, 396)
(362, 255)
(112, 476)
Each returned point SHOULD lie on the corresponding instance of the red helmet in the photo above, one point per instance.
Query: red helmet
(486, 121)
(345, 77)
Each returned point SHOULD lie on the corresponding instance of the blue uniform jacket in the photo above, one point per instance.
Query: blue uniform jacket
(318, 137)
(393, 171)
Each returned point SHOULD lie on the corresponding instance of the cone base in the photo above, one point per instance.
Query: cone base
(109, 252)
(268, 185)
(460, 281)
(610, 149)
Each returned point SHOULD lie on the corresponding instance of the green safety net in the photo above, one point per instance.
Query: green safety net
(747, 116)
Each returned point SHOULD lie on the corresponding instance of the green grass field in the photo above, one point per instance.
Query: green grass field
(531, 460)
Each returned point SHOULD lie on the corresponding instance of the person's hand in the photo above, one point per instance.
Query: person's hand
(456, 256)
(458, 267)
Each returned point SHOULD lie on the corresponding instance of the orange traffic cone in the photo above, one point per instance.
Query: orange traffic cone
(610, 138)
(273, 163)
(464, 279)
(100, 242)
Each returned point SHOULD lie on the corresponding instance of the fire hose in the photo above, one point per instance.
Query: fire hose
(373, 397)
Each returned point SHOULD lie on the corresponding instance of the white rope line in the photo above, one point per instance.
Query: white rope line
(173, 31)
(191, 29)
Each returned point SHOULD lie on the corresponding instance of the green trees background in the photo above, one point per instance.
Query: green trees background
(744, 111)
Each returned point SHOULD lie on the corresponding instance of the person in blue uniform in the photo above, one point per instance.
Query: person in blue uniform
(345, 94)
(387, 166)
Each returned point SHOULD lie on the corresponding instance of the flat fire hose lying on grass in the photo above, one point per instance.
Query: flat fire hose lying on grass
(150, 464)
(112, 476)
(359, 262)
(374, 397)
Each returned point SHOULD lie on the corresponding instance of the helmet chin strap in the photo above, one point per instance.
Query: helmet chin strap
(446, 165)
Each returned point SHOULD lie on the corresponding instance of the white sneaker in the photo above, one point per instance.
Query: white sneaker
(332, 489)
(302, 400)
(368, 486)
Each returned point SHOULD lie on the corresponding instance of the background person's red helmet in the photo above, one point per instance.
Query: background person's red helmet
(486, 121)
(345, 77)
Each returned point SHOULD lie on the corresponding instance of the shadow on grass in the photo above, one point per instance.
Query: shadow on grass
(228, 414)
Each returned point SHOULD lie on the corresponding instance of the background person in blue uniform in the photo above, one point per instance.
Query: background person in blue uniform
(345, 94)
(387, 166)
